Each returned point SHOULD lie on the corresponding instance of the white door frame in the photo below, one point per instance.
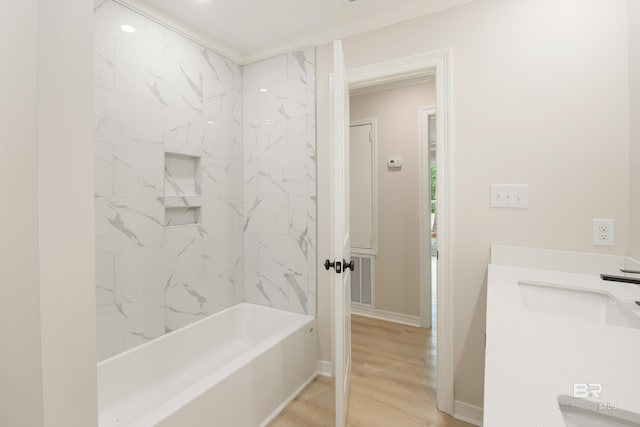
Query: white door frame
(424, 214)
(440, 62)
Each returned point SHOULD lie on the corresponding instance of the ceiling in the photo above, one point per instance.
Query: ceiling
(247, 30)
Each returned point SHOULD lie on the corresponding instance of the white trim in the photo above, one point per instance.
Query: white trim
(404, 319)
(393, 85)
(469, 413)
(424, 214)
(339, 190)
(288, 400)
(243, 58)
(324, 369)
(156, 15)
(414, 66)
(374, 185)
(363, 251)
(408, 67)
(335, 33)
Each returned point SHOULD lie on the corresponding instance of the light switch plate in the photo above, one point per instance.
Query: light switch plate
(514, 196)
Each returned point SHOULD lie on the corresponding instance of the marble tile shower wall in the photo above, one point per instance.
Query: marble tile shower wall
(157, 92)
(280, 182)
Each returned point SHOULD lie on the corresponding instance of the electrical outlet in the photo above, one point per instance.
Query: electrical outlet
(604, 232)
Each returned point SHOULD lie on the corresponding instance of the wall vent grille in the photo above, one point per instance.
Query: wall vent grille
(362, 279)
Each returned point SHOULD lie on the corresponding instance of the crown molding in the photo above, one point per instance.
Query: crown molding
(317, 38)
(151, 12)
(339, 33)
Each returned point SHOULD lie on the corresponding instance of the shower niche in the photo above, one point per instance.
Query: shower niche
(182, 190)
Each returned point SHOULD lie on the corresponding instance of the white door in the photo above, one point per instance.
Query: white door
(341, 273)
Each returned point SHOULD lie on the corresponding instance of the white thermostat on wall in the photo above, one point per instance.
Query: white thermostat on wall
(394, 163)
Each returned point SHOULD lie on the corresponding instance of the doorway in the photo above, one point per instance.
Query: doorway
(330, 123)
(388, 193)
(392, 218)
(437, 63)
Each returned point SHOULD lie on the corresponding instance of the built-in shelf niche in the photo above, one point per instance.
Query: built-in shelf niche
(182, 192)
(181, 216)
(181, 175)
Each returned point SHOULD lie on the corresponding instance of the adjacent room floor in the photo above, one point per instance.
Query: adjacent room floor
(393, 381)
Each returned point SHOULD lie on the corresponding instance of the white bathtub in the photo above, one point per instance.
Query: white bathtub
(237, 368)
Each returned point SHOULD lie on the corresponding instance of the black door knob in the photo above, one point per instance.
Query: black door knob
(348, 266)
(328, 264)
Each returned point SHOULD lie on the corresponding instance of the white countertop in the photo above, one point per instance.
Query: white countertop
(532, 357)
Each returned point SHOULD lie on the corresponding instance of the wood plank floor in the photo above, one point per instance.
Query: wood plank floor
(393, 381)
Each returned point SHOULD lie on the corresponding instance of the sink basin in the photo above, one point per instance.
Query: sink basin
(579, 303)
(585, 413)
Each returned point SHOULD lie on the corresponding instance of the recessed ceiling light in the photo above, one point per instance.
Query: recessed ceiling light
(127, 29)
(210, 121)
(264, 90)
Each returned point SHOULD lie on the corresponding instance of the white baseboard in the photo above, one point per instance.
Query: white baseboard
(284, 404)
(469, 413)
(324, 368)
(389, 316)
